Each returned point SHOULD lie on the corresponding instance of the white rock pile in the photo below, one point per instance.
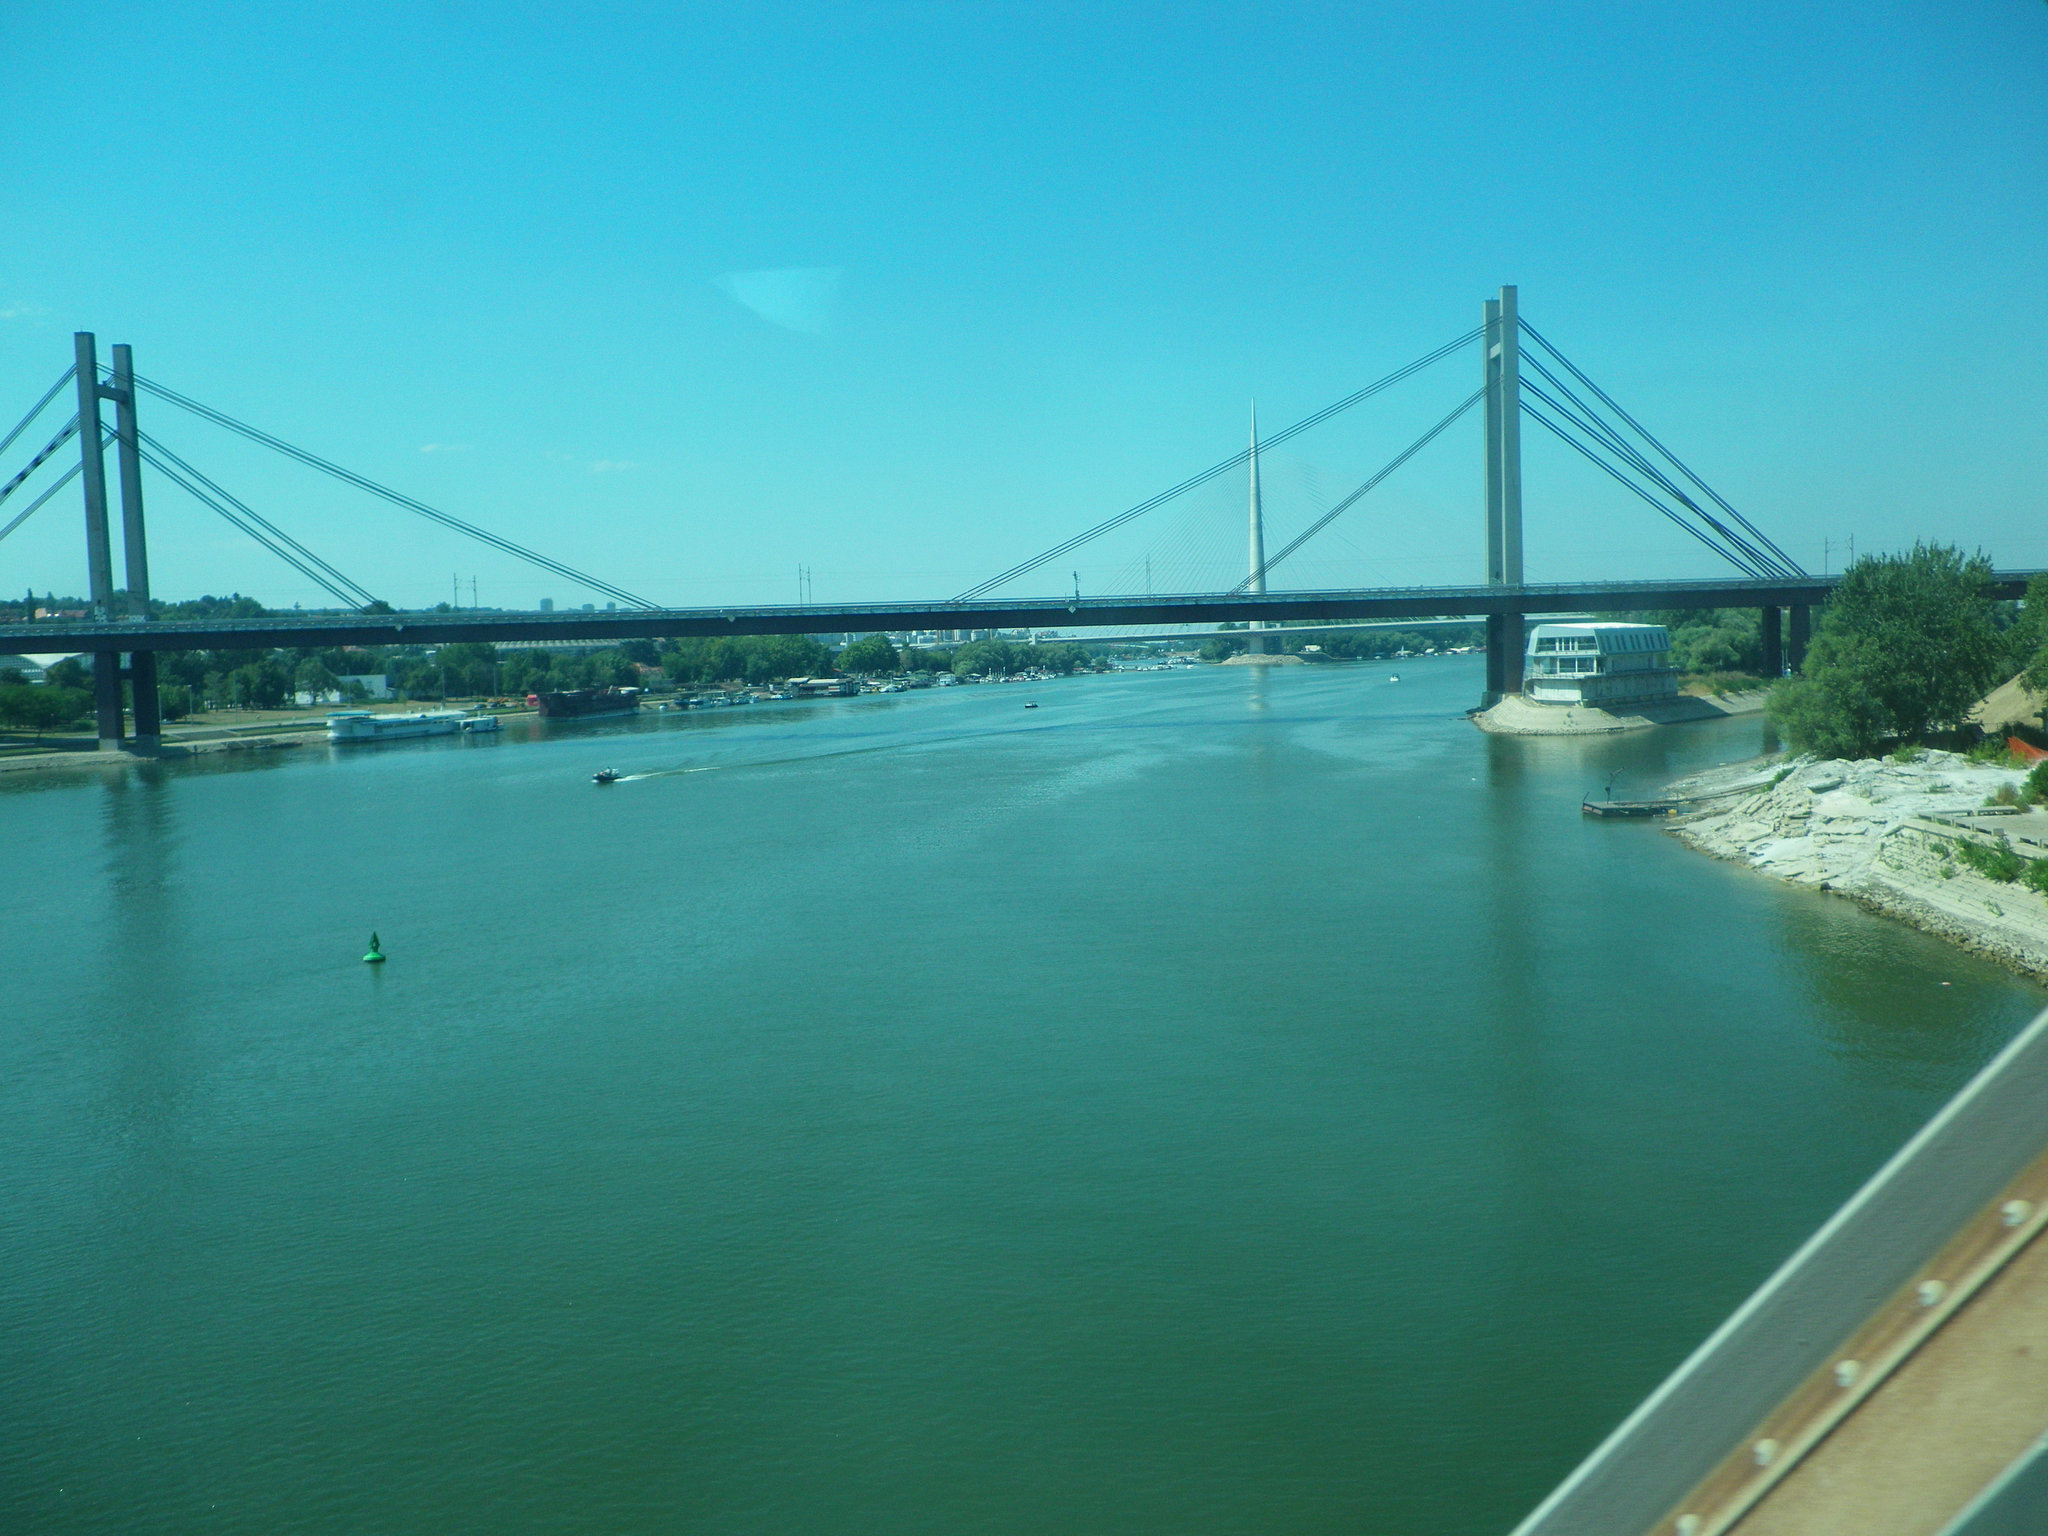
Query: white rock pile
(1886, 834)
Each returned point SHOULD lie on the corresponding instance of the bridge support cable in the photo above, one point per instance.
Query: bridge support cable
(1348, 502)
(50, 394)
(1593, 457)
(1587, 420)
(37, 505)
(70, 431)
(396, 498)
(1705, 489)
(256, 526)
(1737, 548)
(1235, 461)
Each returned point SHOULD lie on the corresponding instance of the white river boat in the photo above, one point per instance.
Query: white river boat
(352, 725)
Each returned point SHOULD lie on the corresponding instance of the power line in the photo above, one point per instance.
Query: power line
(1235, 461)
(397, 498)
(1341, 507)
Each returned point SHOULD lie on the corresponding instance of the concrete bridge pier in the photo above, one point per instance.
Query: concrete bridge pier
(141, 672)
(1772, 631)
(99, 554)
(1504, 645)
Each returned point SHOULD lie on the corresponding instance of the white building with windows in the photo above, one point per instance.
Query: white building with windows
(1599, 664)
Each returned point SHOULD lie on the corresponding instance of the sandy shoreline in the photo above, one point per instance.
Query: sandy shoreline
(1517, 716)
(1885, 835)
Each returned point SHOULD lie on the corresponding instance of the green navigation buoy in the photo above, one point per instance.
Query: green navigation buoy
(375, 956)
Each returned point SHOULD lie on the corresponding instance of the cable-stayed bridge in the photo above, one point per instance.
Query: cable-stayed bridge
(1523, 377)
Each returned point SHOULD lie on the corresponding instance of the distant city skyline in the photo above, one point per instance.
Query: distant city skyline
(902, 296)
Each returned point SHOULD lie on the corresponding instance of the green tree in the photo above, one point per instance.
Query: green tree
(1905, 646)
(313, 677)
(979, 657)
(745, 658)
(471, 666)
(2027, 640)
(173, 700)
(42, 708)
(870, 654)
(71, 672)
(260, 685)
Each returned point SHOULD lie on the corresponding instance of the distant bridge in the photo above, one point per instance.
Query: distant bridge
(1556, 395)
(1355, 605)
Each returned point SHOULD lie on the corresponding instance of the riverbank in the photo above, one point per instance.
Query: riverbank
(1891, 836)
(271, 731)
(1517, 715)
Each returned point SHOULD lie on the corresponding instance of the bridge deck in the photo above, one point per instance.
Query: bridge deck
(422, 628)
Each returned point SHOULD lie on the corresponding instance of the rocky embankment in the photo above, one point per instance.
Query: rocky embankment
(1888, 835)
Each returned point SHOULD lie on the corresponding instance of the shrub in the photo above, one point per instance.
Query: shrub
(1999, 863)
(2037, 784)
(1992, 749)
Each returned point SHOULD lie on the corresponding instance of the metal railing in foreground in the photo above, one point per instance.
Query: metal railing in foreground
(1931, 1231)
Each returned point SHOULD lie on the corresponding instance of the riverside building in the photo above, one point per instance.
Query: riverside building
(1599, 664)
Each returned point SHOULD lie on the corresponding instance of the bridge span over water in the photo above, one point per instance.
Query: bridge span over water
(1045, 613)
(1555, 395)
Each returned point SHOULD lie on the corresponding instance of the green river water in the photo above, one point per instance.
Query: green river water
(1212, 1102)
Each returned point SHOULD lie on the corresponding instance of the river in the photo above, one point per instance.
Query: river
(1216, 1101)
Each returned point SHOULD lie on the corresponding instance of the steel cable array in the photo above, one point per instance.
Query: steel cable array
(49, 394)
(1759, 544)
(1235, 461)
(1348, 502)
(253, 523)
(36, 506)
(396, 498)
(42, 458)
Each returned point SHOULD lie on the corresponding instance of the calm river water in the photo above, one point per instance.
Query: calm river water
(1219, 1101)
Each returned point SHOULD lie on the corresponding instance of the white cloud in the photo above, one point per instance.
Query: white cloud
(20, 311)
(795, 298)
(446, 447)
(611, 466)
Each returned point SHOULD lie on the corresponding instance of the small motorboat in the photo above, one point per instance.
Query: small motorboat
(1029, 705)
(1393, 677)
(605, 776)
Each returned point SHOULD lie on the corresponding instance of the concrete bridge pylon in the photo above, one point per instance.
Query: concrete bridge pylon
(1256, 580)
(1501, 350)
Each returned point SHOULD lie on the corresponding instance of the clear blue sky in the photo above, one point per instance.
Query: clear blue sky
(497, 256)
